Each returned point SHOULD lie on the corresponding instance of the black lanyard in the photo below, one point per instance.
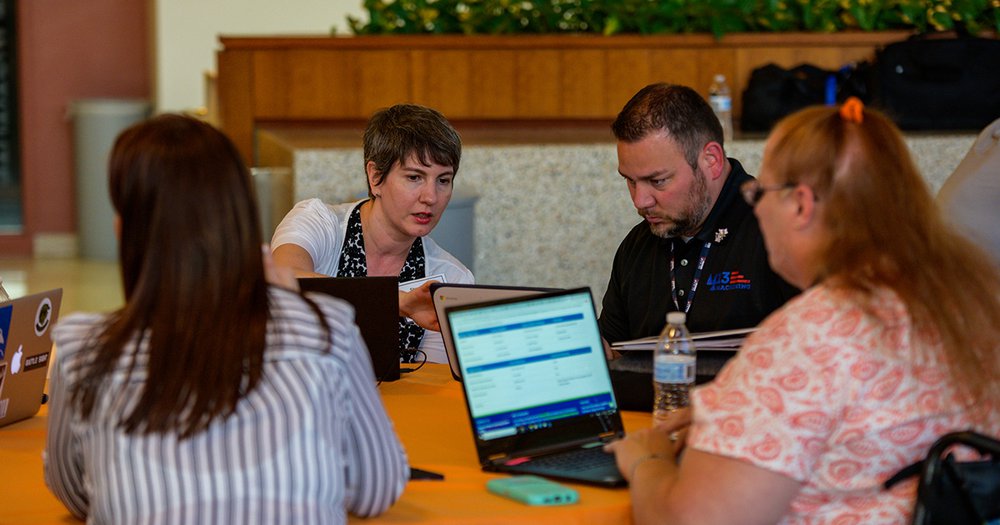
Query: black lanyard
(694, 282)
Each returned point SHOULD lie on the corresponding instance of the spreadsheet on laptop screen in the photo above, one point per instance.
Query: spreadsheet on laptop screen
(528, 363)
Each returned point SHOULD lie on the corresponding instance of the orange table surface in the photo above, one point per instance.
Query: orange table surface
(429, 414)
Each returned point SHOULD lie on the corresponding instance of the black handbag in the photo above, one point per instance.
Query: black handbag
(953, 492)
(940, 83)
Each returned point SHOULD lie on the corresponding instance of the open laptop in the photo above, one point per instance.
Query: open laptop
(25, 348)
(445, 295)
(537, 387)
(376, 312)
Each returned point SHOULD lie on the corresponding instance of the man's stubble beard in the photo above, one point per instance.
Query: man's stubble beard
(690, 222)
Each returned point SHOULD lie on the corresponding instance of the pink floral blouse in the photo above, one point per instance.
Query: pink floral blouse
(838, 399)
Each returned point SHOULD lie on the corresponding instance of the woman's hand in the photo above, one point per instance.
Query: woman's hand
(282, 276)
(417, 305)
(661, 443)
(705, 488)
(676, 423)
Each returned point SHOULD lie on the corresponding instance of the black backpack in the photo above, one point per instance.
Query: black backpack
(940, 83)
(774, 92)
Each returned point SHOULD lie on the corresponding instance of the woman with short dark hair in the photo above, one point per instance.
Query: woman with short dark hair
(211, 396)
(411, 158)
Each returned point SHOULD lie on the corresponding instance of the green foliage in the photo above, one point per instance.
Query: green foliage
(608, 17)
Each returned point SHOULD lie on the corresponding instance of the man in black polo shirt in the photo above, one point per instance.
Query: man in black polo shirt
(698, 250)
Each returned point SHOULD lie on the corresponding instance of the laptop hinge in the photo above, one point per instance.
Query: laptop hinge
(503, 459)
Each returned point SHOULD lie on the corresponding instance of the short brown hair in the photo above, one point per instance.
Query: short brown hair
(678, 110)
(395, 133)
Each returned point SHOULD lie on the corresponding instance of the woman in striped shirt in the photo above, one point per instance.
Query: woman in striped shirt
(211, 396)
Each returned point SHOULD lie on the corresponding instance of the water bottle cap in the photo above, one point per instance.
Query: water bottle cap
(676, 318)
(720, 78)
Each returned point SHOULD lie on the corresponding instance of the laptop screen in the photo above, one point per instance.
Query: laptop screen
(376, 312)
(25, 348)
(447, 295)
(532, 362)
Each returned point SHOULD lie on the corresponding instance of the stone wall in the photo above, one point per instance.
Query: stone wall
(553, 215)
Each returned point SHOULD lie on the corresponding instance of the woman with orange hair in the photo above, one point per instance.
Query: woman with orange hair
(892, 344)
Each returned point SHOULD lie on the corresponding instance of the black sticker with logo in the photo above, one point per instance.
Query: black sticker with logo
(35, 361)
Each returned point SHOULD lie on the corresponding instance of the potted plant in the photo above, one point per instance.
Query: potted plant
(647, 17)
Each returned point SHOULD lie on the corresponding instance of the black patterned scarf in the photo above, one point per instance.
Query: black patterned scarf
(353, 264)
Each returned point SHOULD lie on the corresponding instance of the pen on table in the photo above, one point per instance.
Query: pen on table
(417, 474)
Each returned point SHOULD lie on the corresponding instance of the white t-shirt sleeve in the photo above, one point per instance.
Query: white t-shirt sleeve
(316, 228)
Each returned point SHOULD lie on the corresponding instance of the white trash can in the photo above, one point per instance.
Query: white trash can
(96, 125)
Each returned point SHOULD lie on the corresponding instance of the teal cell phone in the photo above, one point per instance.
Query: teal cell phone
(533, 490)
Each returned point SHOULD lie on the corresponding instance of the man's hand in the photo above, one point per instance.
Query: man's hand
(417, 305)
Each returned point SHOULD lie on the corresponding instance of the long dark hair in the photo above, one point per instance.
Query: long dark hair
(193, 278)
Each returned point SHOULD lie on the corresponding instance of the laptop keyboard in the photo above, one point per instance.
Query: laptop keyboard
(578, 460)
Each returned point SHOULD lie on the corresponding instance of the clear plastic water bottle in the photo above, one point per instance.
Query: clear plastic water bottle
(673, 366)
(721, 100)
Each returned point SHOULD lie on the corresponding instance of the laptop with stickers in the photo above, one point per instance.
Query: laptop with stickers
(25, 349)
(445, 295)
(537, 386)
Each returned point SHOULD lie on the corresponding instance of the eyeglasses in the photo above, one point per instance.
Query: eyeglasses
(753, 191)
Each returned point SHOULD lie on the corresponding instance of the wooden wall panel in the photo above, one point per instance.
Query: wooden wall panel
(582, 83)
(298, 83)
(442, 80)
(304, 84)
(314, 77)
(270, 83)
(537, 83)
(493, 78)
(675, 66)
(382, 79)
(493, 87)
(628, 71)
(855, 54)
(236, 99)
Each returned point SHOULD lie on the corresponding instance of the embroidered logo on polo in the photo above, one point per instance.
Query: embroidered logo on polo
(726, 281)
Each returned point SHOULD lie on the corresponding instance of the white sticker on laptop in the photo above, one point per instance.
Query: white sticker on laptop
(416, 283)
(43, 316)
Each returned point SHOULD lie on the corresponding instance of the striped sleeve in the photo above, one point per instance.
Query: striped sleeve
(377, 468)
(63, 461)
